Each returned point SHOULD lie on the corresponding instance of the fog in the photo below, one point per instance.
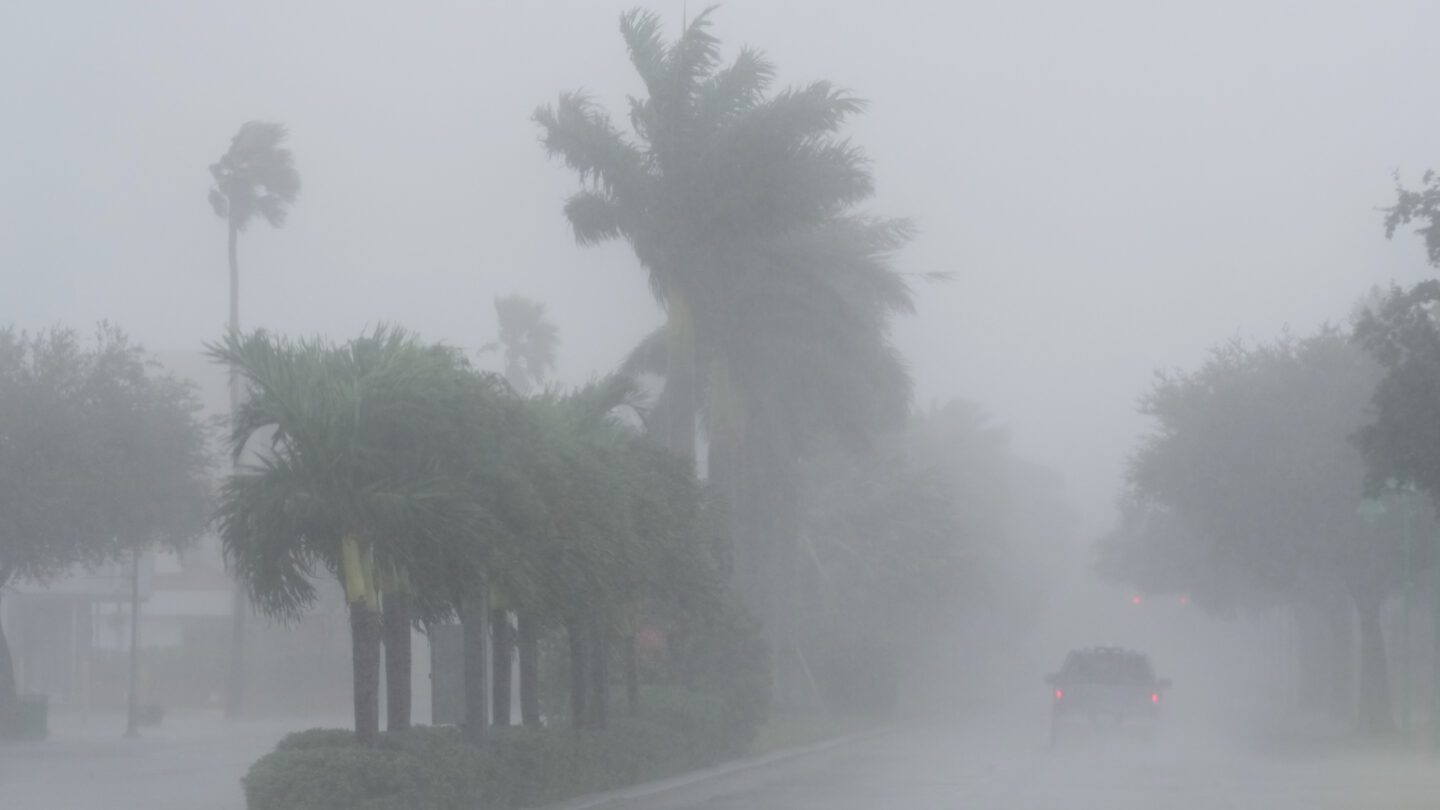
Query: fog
(1099, 191)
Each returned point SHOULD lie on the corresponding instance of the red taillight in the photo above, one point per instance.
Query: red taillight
(1154, 697)
(1135, 600)
(1059, 694)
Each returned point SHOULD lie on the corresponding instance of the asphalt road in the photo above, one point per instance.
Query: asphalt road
(952, 770)
(192, 762)
(196, 765)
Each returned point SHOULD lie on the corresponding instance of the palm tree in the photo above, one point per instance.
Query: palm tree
(739, 204)
(715, 170)
(255, 176)
(355, 474)
(528, 340)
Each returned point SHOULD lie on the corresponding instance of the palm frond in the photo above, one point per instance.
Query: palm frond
(256, 175)
(641, 31)
(734, 90)
(594, 216)
(693, 57)
(580, 133)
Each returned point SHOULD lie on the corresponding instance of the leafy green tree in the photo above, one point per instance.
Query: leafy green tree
(1403, 441)
(1253, 454)
(1422, 205)
(255, 177)
(353, 445)
(101, 457)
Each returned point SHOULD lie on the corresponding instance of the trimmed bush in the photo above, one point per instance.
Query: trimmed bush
(435, 769)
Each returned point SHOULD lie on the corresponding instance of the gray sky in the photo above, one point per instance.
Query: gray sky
(1115, 186)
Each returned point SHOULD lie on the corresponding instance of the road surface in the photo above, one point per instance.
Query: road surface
(196, 764)
(945, 770)
(192, 762)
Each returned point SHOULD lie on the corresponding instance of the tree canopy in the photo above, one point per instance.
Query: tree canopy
(100, 454)
(1251, 490)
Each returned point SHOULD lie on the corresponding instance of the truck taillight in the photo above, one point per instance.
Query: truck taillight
(1059, 694)
(1154, 697)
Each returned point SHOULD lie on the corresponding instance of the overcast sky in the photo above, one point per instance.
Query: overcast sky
(1114, 187)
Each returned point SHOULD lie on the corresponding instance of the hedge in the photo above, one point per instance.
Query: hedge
(435, 769)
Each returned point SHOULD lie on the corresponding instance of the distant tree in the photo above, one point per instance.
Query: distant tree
(1253, 453)
(937, 525)
(1403, 441)
(255, 177)
(1422, 205)
(101, 457)
(528, 341)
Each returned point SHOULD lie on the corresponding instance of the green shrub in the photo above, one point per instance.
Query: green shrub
(726, 656)
(316, 738)
(434, 769)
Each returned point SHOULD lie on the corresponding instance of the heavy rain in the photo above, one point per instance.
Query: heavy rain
(780, 404)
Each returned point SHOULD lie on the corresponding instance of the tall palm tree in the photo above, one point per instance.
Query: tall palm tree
(716, 168)
(739, 203)
(255, 177)
(353, 475)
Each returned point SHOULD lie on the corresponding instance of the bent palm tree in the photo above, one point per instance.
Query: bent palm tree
(350, 478)
(255, 176)
(717, 168)
(739, 204)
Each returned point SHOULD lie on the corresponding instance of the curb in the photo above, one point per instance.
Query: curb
(621, 796)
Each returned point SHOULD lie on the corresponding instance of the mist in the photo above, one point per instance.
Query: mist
(1133, 365)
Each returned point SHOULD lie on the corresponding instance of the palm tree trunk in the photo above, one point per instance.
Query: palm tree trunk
(1375, 713)
(365, 663)
(579, 680)
(503, 642)
(1340, 660)
(397, 661)
(132, 693)
(473, 616)
(632, 674)
(529, 650)
(679, 392)
(235, 679)
(599, 672)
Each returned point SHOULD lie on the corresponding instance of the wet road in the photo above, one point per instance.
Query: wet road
(185, 767)
(938, 770)
(192, 762)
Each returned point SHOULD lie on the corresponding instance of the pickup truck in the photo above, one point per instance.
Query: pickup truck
(1105, 683)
